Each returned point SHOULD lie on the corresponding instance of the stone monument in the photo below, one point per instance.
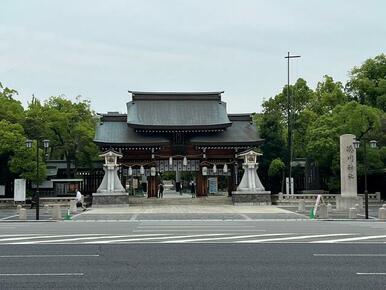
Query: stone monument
(348, 174)
(250, 189)
(111, 190)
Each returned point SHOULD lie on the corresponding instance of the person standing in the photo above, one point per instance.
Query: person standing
(192, 185)
(161, 190)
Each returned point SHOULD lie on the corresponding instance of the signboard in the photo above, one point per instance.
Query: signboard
(2, 190)
(135, 183)
(20, 190)
(212, 183)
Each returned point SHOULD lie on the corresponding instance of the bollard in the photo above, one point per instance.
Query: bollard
(323, 214)
(280, 196)
(352, 213)
(301, 206)
(382, 213)
(18, 208)
(56, 213)
(23, 214)
(329, 208)
(73, 208)
(46, 209)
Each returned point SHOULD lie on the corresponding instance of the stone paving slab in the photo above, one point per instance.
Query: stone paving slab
(187, 209)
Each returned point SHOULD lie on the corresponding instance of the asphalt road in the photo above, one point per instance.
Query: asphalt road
(201, 254)
(193, 266)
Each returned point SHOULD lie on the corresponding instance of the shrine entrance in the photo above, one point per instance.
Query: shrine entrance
(173, 137)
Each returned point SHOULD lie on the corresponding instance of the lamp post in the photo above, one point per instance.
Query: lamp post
(46, 144)
(373, 144)
(289, 121)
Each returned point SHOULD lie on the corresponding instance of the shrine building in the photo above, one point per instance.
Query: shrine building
(177, 132)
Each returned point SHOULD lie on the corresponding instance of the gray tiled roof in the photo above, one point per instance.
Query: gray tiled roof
(177, 111)
(241, 132)
(120, 133)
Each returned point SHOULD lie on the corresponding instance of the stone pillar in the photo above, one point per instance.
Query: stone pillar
(73, 206)
(22, 214)
(56, 212)
(348, 174)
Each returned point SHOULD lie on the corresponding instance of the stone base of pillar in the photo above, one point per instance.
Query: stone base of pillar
(344, 203)
(102, 199)
(251, 198)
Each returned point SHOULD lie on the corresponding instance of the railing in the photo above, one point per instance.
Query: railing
(311, 197)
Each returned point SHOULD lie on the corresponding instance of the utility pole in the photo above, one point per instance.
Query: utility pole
(289, 121)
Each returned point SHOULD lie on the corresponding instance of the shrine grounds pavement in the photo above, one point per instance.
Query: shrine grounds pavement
(186, 212)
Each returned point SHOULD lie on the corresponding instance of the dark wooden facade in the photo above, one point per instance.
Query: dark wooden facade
(190, 126)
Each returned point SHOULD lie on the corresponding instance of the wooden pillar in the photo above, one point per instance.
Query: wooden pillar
(152, 187)
(201, 189)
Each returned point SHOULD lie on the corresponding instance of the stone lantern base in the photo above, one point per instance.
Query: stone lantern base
(251, 197)
(102, 199)
(344, 203)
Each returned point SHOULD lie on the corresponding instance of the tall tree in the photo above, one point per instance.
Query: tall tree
(323, 135)
(367, 83)
(68, 125)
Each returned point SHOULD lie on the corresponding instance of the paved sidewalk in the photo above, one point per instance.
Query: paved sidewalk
(189, 212)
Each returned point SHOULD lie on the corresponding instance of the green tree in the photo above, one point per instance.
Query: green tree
(277, 169)
(323, 136)
(15, 158)
(367, 83)
(69, 126)
(10, 109)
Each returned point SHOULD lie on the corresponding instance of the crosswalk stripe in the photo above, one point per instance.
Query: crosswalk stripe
(351, 239)
(292, 238)
(45, 236)
(149, 239)
(225, 238)
(81, 239)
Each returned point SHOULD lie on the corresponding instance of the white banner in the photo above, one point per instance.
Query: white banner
(20, 190)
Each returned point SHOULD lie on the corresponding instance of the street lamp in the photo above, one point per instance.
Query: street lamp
(46, 144)
(373, 144)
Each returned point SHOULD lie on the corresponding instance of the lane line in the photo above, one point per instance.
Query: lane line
(371, 273)
(225, 238)
(292, 238)
(149, 239)
(47, 256)
(9, 217)
(349, 255)
(350, 239)
(45, 236)
(81, 239)
(198, 230)
(41, 274)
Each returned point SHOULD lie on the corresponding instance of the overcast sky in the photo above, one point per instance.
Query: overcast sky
(102, 49)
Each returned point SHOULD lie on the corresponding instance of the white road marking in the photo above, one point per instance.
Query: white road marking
(292, 238)
(45, 236)
(149, 239)
(349, 255)
(81, 239)
(197, 230)
(41, 274)
(225, 238)
(350, 239)
(45, 256)
(371, 273)
(9, 217)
